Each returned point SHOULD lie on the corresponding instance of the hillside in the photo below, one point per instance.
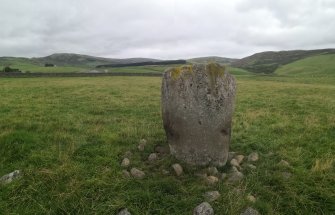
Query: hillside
(67, 59)
(268, 62)
(221, 60)
(320, 65)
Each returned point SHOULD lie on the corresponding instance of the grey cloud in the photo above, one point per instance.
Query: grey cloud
(164, 28)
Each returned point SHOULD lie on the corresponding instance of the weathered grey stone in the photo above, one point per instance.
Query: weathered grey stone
(234, 162)
(125, 174)
(124, 212)
(212, 180)
(250, 211)
(253, 157)
(162, 149)
(203, 209)
(125, 162)
(211, 196)
(212, 171)
(142, 145)
(136, 173)
(178, 169)
(152, 157)
(251, 198)
(197, 107)
(235, 177)
(239, 158)
(10, 177)
(284, 163)
(251, 166)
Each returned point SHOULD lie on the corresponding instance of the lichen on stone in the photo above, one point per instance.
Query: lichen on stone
(214, 70)
(176, 72)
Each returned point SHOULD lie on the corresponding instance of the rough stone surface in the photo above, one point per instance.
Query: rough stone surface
(212, 171)
(124, 212)
(125, 162)
(235, 177)
(239, 158)
(211, 196)
(212, 180)
(197, 109)
(178, 169)
(234, 162)
(250, 211)
(203, 209)
(284, 163)
(253, 157)
(142, 145)
(251, 198)
(125, 174)
(231, 155)
(162, 149)
(136, 173)
(152, 157)
(251, 166)
(10, 177)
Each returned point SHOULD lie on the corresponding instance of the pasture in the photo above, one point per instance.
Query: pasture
(68, 136)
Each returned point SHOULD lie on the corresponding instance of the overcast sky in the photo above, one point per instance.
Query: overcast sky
(166, 29)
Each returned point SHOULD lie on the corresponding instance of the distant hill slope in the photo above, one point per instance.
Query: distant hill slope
(221, 60)
(320, 65)
(268, 62)
(67, 59)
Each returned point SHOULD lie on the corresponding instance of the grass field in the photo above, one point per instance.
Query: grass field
(68, 136)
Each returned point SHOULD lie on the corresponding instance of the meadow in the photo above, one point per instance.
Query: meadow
(68, 136)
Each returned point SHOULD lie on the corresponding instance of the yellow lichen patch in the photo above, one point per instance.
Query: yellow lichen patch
(176, 72)
(215, 70)
(322, 165)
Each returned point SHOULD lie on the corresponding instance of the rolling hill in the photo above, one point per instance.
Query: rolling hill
(319, 65)
(221, 60)
(268, 62)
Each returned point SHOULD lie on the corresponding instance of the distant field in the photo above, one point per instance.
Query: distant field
(316, 66)
(68, 136)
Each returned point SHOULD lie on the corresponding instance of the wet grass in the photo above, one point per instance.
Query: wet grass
(68, 136)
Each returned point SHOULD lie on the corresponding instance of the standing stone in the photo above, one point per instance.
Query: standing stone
(203, 209)
(197, 109)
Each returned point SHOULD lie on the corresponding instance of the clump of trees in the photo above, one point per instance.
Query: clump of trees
(49, 65)
(8, 69)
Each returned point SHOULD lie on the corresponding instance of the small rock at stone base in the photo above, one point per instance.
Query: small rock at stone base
(286, 175)
(234, 169)
(235, 176)
(231, 155)
(125, 162)
(142, 145)
(253, 157)
(211, 196)
(283, 163)
(211, 180)
(212, 171)
(203, 209)
(152, 157)
(136, 173)
(125, 173)
(124, 212)
(178, 169)
(251, 198)
(128, 154)
(223, 176)
(251, 166)
(234, 162)
(10, 177)
(162, 149)
(239, 158)
(250, 211)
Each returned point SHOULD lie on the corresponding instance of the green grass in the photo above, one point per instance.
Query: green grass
(316, 66)
(68, 136)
